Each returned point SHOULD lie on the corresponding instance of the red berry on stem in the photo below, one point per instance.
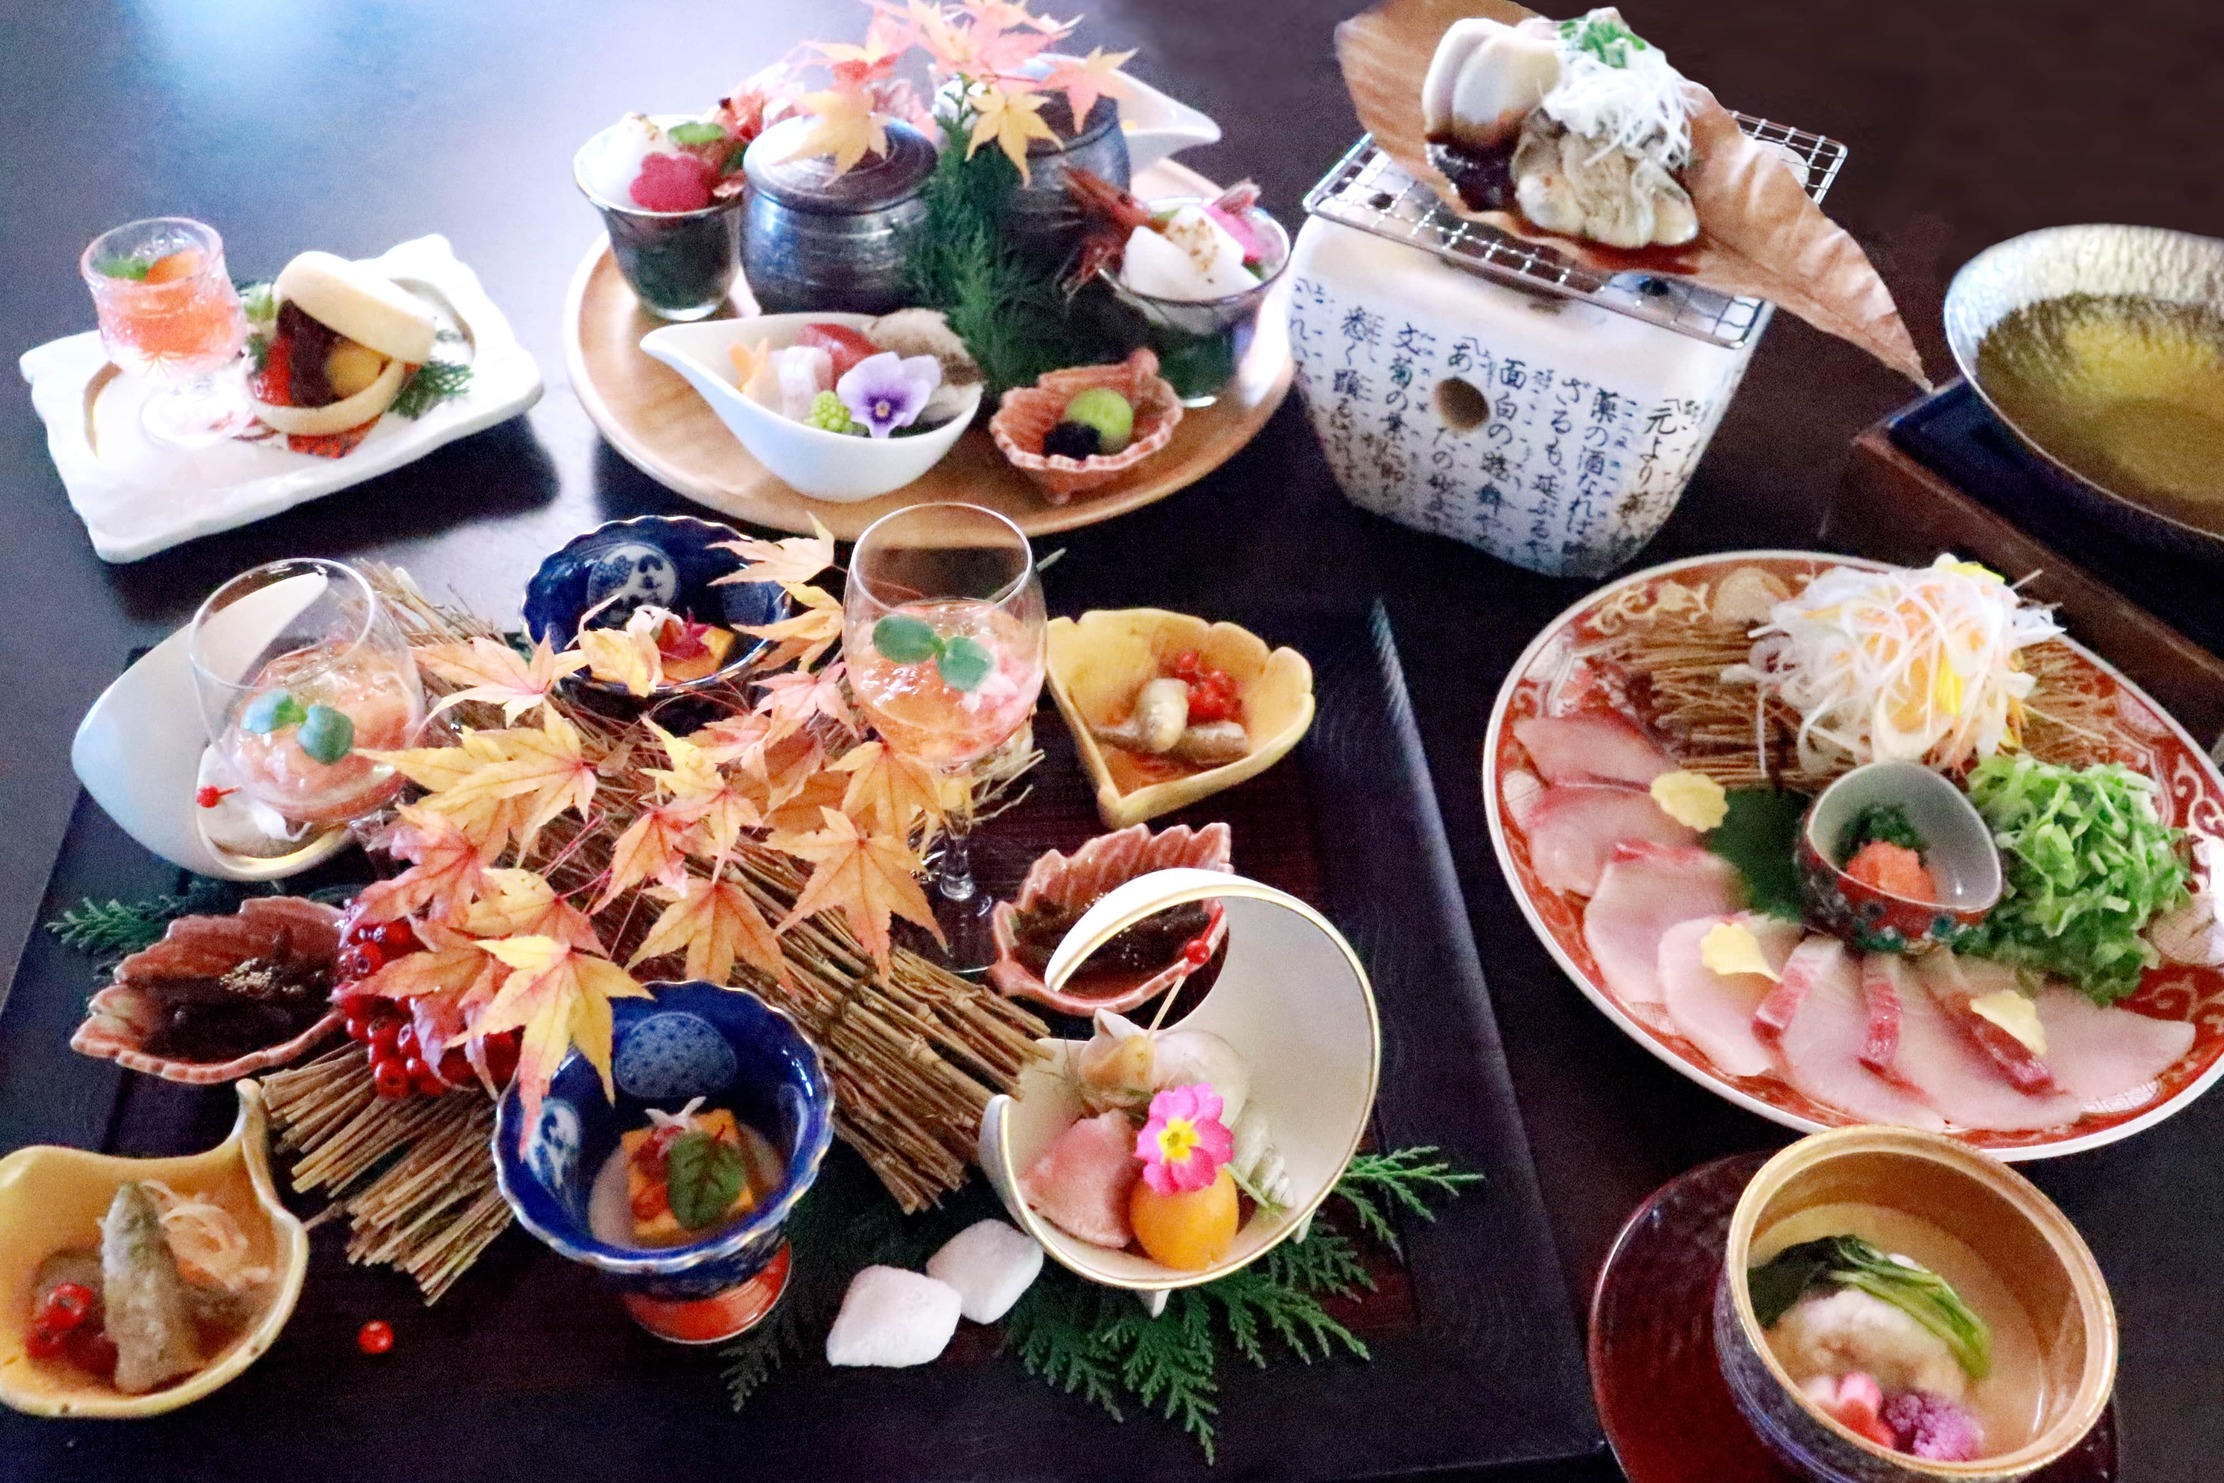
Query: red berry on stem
(375, 1337)
(405, 1040)
(386, 1034)
(427, 1081)
(390, 1079)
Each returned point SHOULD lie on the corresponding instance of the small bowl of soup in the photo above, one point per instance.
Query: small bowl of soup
(1895, 1306)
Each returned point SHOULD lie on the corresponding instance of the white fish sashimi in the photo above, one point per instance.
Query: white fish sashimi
(1645, 890)
(1573, 829)
(2101, 1056)
(1714, 1011)
(1821, 1046)
(1591, 747)
(1942, 1061)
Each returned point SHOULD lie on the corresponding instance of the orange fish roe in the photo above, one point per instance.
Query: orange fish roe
(1893, 869)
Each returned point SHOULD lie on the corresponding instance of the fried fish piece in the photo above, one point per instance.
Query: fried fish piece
(148, 1310)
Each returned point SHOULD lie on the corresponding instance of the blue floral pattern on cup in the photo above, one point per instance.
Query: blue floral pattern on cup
(674, 1056)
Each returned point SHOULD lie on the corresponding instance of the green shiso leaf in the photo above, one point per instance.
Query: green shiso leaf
(271, 710)
(695, 132)
(965, 663)
(905, 640)
(326, 734)
(1849, 1261)
(2088, 863)
(703, 1179)
(1885, 821)
(135, 269)
(1760, 836)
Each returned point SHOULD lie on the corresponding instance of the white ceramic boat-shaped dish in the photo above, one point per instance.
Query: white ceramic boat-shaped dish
(1294, 1001)
(839, 467)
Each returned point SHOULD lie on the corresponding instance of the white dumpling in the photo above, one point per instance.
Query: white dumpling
(1846, 1329)
(1486, 77)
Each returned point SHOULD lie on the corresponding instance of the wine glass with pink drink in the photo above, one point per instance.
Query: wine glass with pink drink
(943, 628)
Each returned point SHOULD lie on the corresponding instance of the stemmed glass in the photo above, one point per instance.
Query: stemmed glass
(168, 312)
(943, 628)
(299, 669)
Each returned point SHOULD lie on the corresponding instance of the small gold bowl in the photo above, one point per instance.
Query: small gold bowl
(2019, 1233)
(52, 1199)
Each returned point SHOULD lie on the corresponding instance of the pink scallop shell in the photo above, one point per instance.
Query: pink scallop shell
(1028, 412)
(199, 947)
(1104, 862)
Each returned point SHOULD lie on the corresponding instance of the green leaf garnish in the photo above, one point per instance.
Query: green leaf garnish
(965, 663)
(905, 640)
(703, 1178)
(259, 301)
(1885, 821)
(1849, 1261)
(1760, 836)
(133, 268)
(326, 734)
(271, 710)
(1610, 41)
(432, 383)
(695, 132)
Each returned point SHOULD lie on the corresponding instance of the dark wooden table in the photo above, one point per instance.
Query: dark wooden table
(353, 127)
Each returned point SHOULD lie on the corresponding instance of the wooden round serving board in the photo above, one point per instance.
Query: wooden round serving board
(653, 418)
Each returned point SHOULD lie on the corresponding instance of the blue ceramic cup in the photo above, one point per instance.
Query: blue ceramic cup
(688, 1040)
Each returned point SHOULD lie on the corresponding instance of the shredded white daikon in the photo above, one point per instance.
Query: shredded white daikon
(1618, 91)
(1913, 664)
(210, 1248)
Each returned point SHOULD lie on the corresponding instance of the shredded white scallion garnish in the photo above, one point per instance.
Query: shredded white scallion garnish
(206, 1240)
(1618, 91)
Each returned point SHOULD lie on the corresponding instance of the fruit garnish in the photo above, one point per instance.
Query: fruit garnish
(673, 182)
(1112, 415)
(326, 734)
(1188, 1230)
(174, 267)
(1072, 440)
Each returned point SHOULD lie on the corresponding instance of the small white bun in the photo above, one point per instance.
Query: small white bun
(892, 1319)
(354, 411)
(1485, 78)
(991, 1263)
(363, 305)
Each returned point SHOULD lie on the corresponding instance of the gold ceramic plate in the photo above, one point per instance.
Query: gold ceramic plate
(2122, 407)
(665, 430)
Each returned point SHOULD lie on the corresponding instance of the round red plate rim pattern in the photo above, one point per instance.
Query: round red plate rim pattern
(2193, 793)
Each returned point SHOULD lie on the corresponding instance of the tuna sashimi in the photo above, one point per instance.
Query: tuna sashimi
(1943, 1061)
(1821, 1046)
(1714, 1011)
(1574, 827)
(1645, 890)
(1591, 746)
(2102, 1055)
(1082, 1181)
(1953, 982)
(1883, 982)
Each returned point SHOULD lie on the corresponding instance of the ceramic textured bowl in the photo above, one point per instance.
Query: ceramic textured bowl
(52, 1199)
(1958, 851)
(1027, 413)
(668, 560)
(839, 467)
(2019, 1233)
(1098, 663)
(688, 1040)
(120, 1017)
(1076, 880)
(1293, 1000)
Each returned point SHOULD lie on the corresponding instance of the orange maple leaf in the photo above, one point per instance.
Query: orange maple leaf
(522, 777)
(485, 818)
(1085, 79)
(697, 788)
(654, 846)
(870, 877)
(716, 921)
(738, 738)
(800, 810)
(498, 675)
(791, 700)
(448, 874)
(523, 904)
(796, 559)
(560, 997)
(805, 637)
(433, 971)
(889, 791)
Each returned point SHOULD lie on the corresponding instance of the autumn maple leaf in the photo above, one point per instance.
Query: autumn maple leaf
(737, 738)
(538, 773)
(814, 790)
(1010, 115)
(654, 846)
(448, 874)
(560, 997)
(523, 904)
(790, 701)
(716, 921)
(806, 636)
(433, 971)
(844, 125)
(888, 790)
(486, 819)
(698, 789)
(870, 877)
(1085, 79)
(498, 674)
(627, 656)
(795, 559)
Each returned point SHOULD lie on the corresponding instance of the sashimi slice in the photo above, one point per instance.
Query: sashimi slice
(1714, 1011)
(1645, 890)
(1882, 975)
(1774, 1014)
(1943, 1061)
(1953, 982)
(1591, 746)
(1821, 1047)
(1574, 827)
(2103, 1055)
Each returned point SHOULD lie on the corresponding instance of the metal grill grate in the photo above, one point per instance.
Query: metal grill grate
(1369, 191)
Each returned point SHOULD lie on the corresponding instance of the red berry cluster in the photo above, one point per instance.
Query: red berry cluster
(399, 1065)
(66, 1323)
(1212, 691)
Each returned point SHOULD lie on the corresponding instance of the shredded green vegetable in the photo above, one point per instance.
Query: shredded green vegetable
(1849, 1261)
(2088, 863)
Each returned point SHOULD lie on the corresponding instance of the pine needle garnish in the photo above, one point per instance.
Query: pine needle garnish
(114, 930)
(432, 383)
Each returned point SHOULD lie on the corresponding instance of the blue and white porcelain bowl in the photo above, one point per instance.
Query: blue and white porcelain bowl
(668, 560)
(688, 1040)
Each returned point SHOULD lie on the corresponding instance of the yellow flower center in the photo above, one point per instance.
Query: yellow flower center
(1178, 1140)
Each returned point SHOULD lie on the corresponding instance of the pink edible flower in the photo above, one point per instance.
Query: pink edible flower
(1184, 1143)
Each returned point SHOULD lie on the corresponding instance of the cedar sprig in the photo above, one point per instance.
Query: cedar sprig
(1379, 1185)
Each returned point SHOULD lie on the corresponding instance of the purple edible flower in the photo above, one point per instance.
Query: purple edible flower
(887, 391)
(1933, 1427)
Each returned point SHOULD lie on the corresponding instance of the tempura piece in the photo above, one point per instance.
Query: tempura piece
(147, 1312)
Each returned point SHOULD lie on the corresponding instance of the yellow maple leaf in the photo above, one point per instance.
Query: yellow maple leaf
(1085, 79)
(498, 674)
(795, 559)
(890, 791)
(652, 847)
(560, 997)
(486, 819)
(523, 904)
(536, 773)
(697, 788)
(791, 701)
(1010, 116)
(716, 921)
(627, 656)
(870, 877)
(448, 874)
(806, 636)
(844, 125)
(799, 811)
(441, 970)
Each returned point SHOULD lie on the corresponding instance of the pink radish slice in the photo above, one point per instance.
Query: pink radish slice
(1591, 746)
(1714, 1011)
(1240, 228)
(1821, 1046)
(1645, 890)
(1574, 828)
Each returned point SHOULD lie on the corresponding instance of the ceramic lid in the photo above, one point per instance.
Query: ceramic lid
(809, 183)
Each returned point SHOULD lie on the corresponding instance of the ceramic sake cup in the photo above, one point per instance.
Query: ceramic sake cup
(1958, 850)
(687, 1040)
(2001, 1216)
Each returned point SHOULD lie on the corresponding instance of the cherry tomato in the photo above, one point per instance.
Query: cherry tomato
(65, 1307)
(375, 1337)
(390, 1078)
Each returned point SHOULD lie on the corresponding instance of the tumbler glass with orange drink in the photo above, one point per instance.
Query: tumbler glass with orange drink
(168, 312)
